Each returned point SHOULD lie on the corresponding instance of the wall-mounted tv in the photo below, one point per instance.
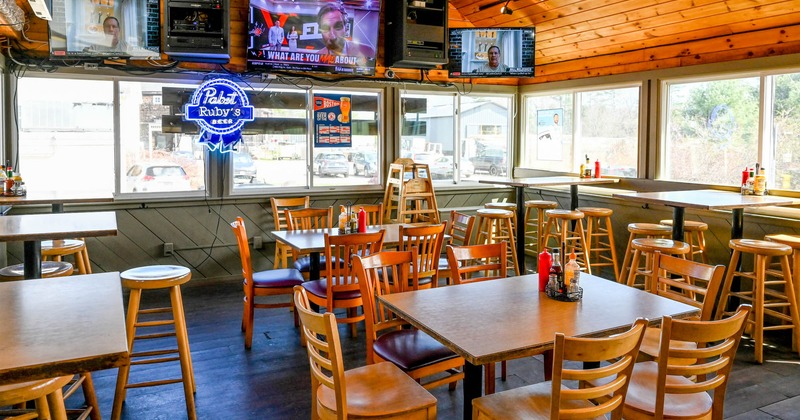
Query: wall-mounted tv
(318, 36)
(491, 52)
(105, 29)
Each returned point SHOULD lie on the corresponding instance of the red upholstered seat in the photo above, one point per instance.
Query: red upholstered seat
(282, 277)
(319, 288)
(411, 349)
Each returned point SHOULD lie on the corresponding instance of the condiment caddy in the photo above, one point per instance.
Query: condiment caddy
(564, 283)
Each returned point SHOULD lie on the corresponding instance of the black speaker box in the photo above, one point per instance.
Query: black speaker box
(416, 34)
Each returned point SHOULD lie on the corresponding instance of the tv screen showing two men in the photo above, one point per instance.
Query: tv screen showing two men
(314, 36)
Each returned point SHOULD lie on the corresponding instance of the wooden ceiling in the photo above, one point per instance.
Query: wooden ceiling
(586, 38)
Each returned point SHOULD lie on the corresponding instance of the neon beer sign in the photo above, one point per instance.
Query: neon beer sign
(220, 108)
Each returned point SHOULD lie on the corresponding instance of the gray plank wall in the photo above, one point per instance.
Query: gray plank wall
(204, 241)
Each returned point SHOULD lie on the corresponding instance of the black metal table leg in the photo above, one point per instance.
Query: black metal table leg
(520, 192)
(678, 222)
(32, 256)
(473, 378)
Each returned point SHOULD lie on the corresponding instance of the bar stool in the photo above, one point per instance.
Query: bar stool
(640, 230)
(695, 237)
(558, 228)
(148, 278)
(765, 300)
(49, 269)
(494, 225)
(57, 249)
(794, 242)
(648, 246)
(512, 207)
(534, 228)
(45, 393)
(598, 225)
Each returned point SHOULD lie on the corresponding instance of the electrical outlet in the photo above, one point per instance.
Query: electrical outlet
(258, 242)
(169, 249)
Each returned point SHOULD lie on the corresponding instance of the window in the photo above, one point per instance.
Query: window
(485, 136)
(563, 129)
(428, 122)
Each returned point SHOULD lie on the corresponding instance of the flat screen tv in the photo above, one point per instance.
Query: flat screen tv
(316, 36)
(84, 29)
(491, 52)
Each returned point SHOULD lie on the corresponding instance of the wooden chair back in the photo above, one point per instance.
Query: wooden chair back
(473, 263)
(281, 204)
(379, 275)
(374, 212)
(460, 228)
(309, 218)
(619, 350)
(244, 253)
(324, 352)
(698, 284)
(340, 249)
(428, 241)
(716, 341)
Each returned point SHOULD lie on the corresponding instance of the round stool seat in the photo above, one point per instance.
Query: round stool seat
(502, 206)
(564, 214)
(540, 204)
(21, 392)
(790, 240)
(155, 276)
(756, 246)
(595, 211)
(649, 229)
(49, 269)
(62, 247)
(689, 225)
(666, 246)
(495, 213)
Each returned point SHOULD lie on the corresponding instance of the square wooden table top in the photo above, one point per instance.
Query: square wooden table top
(314, 240)
(509, 318)
(707, 199)
(545, 181)
(28, 227)
(61, 326)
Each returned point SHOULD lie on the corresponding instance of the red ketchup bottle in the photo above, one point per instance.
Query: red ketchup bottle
(597, 168)
(545, 261)
(362, 221)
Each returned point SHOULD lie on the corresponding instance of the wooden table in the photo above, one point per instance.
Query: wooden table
(56, 198)
(497, 320)
(61, 326)
(33, 228)
(706, 200)
(520, 184)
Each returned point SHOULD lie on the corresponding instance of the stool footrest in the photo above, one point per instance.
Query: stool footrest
(155, 323)
(154, 383)
(155, 335)
(154, 361)
(155, 311)
(154, 353)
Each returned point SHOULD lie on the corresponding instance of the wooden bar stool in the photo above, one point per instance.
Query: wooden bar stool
(512, 207)
(57, 249)
(559, 230)
(49, 269)
(648, 246)
(602, 252)
(494, 225)
(148, 278)
(695, 237)
(640, 230)
(45, 393)
(766, 301)
(794, 242)
(534, 227)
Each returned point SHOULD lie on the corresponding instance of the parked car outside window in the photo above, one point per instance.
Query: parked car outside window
(365, 163)
(158, 177)
(492, 161)
(244, 168)
(331, 164)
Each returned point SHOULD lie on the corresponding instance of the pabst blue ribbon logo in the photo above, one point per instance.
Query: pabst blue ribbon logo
(220, 108)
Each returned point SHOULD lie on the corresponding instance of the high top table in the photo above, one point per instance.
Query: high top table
(495, 320)
(33, 228)
(706, 200)
(520, 184)
(61, 326)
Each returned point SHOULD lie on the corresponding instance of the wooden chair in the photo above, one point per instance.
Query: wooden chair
(46, 395)
(459, 228)
(488, 261)
(340, 287)
(303, 219)
(428, 242)
(374, 212)
(282, 251)
(553, 400)
(379, 390)
(685, 281)
(389, 338)
(664, 389)
(261, 283)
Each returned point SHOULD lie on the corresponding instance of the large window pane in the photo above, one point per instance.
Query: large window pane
(66, 135)
(711, 132)
(485, 136)
(786, 132)
(548, 132)
(427, 132)
(158, 152)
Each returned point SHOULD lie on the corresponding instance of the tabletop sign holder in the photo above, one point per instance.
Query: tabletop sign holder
(574, 296)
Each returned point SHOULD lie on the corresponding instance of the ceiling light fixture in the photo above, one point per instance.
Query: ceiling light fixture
(505, 9)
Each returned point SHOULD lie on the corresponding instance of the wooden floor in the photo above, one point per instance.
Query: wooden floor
(271, 381)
